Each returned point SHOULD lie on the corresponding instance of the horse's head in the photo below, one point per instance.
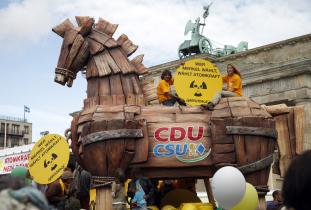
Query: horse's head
(75, 51)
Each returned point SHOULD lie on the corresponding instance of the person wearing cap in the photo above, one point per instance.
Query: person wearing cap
(58, 191)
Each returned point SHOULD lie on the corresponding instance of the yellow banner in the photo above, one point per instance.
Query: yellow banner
(197, 81)
(48, 158)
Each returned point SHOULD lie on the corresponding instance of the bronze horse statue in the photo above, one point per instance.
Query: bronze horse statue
(117, 129)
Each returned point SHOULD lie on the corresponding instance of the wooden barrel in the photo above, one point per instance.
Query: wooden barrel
(241, 128)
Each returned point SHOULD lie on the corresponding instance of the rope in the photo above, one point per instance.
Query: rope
(101, 181)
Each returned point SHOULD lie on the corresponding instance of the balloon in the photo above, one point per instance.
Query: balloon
(21, 172)
(168, 207)
(228, 186)
(249, 200)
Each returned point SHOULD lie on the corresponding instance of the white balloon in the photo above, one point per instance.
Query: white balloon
(228, 186)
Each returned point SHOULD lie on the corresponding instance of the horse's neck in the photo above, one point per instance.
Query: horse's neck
(114, 89)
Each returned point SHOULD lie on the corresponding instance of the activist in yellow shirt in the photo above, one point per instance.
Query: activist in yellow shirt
(164, 90)
(233, 80)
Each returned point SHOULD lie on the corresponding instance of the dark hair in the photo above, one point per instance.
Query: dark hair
(297, 183)
(275, 193)
(119, 174)
(166, 72)
(235, 70)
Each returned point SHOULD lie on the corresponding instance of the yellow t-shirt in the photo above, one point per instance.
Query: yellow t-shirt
(234, 83)
(164, 87)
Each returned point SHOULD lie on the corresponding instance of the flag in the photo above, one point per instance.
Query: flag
(26, 109)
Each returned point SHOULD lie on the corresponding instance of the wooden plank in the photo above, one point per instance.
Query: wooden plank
(260, 112)
(118, 99)
(137, 62)
(238, 104)
(127, 84)
(91, 70)
(291, 132)
(81, 58)
(142, 144)
(221, 106)
(159, 109)
(218, 128)
(136, 84)
(132, 109)
(108, 116)
(127, 45)
(121, 60)
(130, 99)
(240, 149)
(92, 87)
(156, 118)
(108, 59)
(106, 27)
(253, 104)
(74, 50)
(112, 134)
(97, 126)
(277, 109)
(140, 100)
(283, 143)
(223, 148)
(102, 38)
(299, 122)
(192, 117)
(102, 65)
(191, 109)
(68, 40)
(104, 86)
(95, 47)
(240, 111)
(104, 198)
(61, 29)
(256, 131)
(105, 100)
(116, 85)
(238, 98)
(224, 158)
(226, 112)
(110, 109)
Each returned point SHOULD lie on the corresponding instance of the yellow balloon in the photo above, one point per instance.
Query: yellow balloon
(188, 206)
(153, 208)
(249, 200)
(168, 207)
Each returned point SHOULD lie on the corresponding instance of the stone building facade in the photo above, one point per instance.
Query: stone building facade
(14, 132)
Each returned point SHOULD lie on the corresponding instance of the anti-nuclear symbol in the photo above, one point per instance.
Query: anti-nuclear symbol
(198, 87)
(51, 162)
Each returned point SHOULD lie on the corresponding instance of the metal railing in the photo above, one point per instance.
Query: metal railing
(2, 117)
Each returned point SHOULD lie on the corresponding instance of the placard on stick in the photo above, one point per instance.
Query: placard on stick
(48, 158)
(197, 81)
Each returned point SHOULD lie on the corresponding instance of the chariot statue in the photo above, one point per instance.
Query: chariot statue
(198, 42)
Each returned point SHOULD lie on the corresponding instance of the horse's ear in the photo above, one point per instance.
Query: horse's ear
(85, 24)
(63, 27)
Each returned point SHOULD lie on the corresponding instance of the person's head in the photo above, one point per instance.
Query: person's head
(297, 183)
(166, 75)
(232, 70)
(11, 182)
(119, 176)
(277, 196)
(67, 178)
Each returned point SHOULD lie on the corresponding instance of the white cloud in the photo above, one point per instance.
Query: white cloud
(157, 26)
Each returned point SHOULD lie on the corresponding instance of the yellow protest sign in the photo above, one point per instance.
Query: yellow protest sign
(48, 158)
(197, 81)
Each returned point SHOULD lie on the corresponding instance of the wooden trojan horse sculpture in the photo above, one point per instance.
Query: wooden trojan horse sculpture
(115, 129)
(112, 83)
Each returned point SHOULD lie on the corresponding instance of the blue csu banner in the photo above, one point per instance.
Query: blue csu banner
(188, 144)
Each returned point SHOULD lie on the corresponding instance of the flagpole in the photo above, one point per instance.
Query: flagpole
(24, 113)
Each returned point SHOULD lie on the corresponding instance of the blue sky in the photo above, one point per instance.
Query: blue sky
(29, 49)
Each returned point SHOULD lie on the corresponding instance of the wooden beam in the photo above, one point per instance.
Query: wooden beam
(255, 131)
(112, 134)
